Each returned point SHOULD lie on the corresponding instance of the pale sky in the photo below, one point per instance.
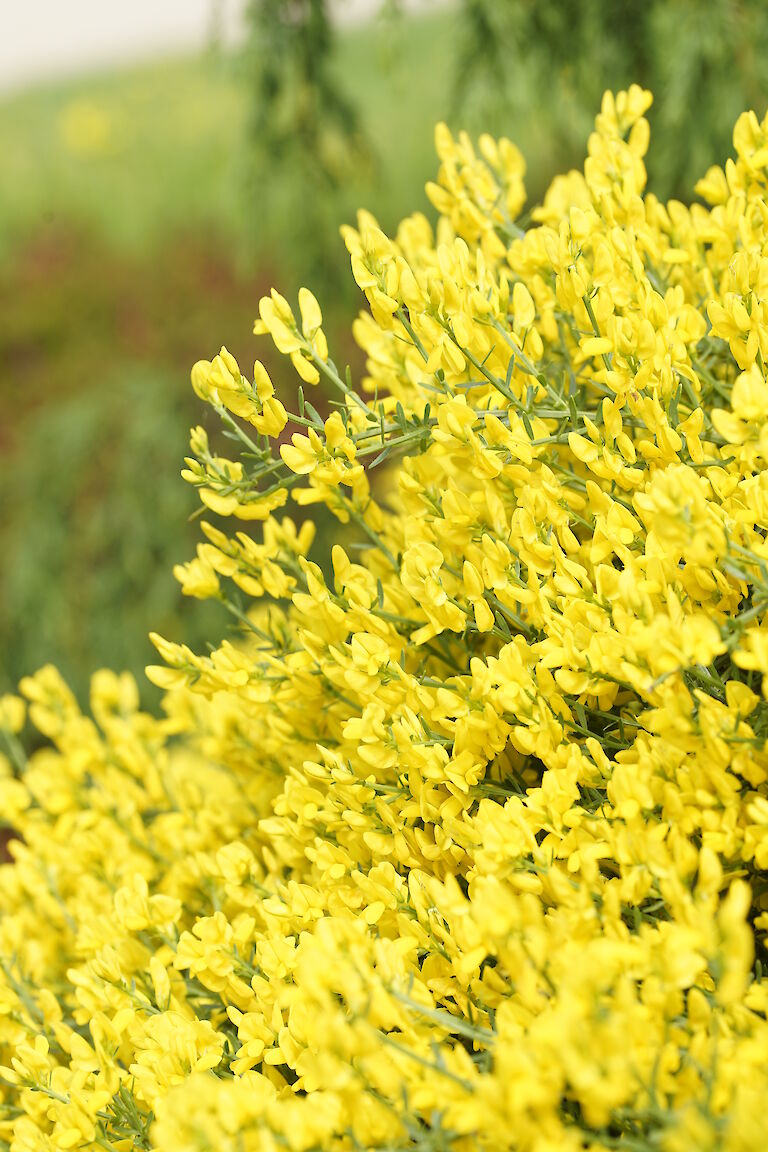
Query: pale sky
(41, 39)
(45, 39)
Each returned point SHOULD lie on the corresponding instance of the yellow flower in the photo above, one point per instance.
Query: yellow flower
(459, 841)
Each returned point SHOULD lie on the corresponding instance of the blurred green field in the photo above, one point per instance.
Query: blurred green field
(164, 149)
(130, 155)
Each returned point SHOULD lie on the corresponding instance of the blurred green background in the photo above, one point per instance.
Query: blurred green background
(143, 211)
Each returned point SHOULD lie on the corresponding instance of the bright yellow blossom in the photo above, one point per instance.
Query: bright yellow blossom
(460, 843)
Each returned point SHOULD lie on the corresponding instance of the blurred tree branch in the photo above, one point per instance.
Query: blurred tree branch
(300, 109)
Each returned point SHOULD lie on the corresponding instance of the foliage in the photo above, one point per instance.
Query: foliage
(300, 109)
(88, 529)
(569, 51)
(463, 847)
(336, 116)
(304, 122)
(509, 59)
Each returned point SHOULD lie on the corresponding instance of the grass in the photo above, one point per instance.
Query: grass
(160, 149)
(128, 155)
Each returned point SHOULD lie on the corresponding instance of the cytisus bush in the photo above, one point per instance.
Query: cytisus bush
(462, 844)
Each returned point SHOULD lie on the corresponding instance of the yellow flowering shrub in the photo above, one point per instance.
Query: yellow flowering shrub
(461, 843)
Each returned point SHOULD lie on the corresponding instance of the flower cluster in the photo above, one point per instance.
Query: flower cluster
(461, 843)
